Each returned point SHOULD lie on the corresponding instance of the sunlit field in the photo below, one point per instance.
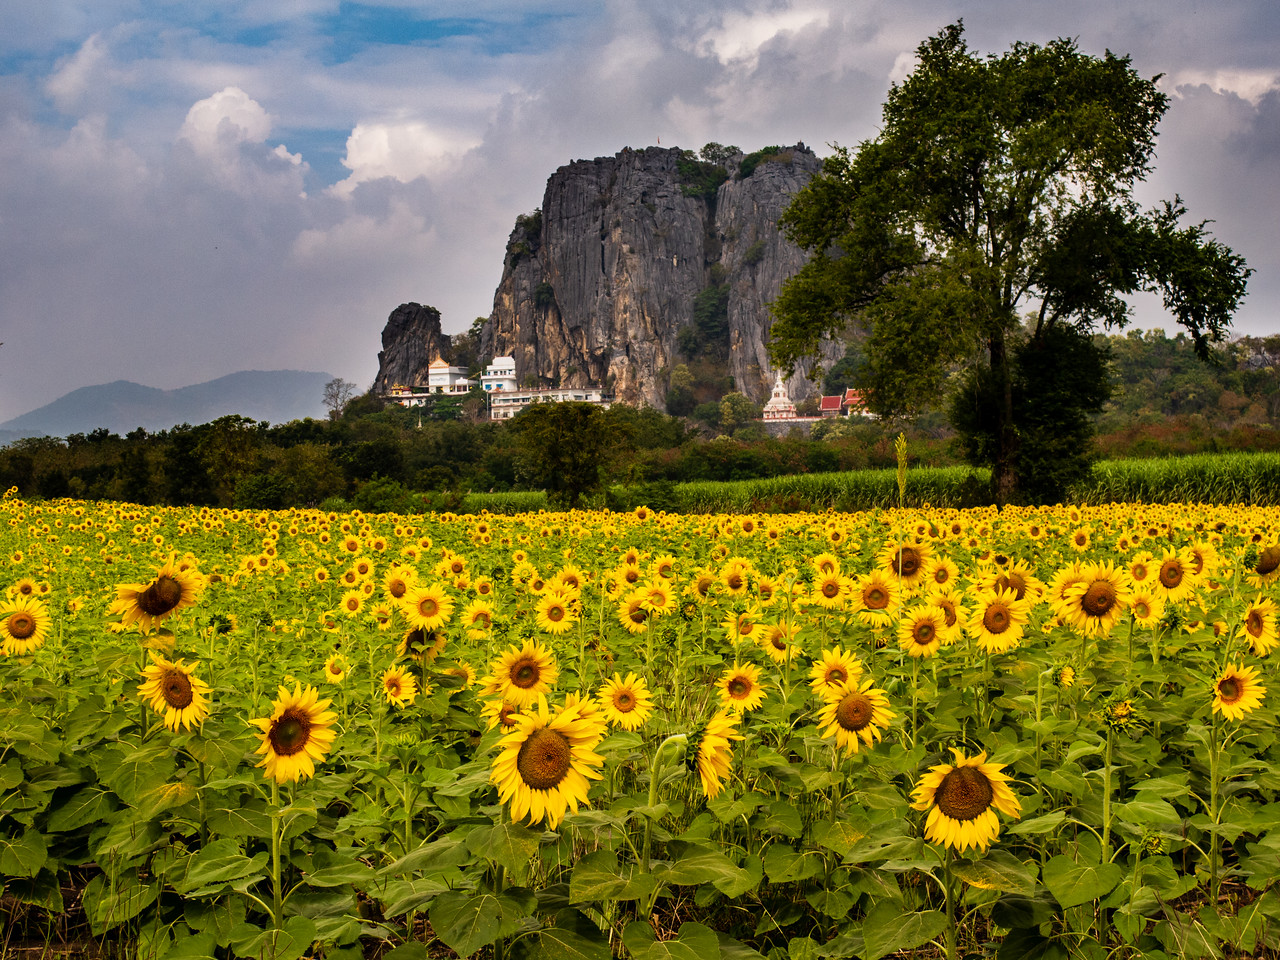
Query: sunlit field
(1030, 733)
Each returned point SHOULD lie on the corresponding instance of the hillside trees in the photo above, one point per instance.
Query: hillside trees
(998, 185)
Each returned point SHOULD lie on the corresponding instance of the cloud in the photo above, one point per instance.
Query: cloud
(402, 151)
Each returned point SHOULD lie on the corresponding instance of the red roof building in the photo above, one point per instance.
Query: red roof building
(829, 406)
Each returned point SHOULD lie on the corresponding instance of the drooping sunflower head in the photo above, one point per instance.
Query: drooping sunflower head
(710, 750)
(298, 734)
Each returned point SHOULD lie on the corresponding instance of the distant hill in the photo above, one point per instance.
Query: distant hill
(276, 396)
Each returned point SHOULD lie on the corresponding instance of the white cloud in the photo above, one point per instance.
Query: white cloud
(741, 36)
(77, 73)
(223, 121)
(403, 151)
(1251, 85)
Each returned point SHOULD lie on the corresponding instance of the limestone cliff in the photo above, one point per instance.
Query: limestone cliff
(410, 341)
(597, 287)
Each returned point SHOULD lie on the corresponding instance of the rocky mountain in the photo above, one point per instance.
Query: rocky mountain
(635, 262)
(274, 396)
(410, 341)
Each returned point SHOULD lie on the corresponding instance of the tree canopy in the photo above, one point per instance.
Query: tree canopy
(990, 223)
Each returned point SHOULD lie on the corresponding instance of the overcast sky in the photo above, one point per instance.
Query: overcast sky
(188, 189)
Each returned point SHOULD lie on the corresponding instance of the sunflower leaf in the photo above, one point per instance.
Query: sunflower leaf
(1074, 883)
(573, 937)
(888, 929)
(598, 876)
(998, 870)
(466, 923)
(510, 845)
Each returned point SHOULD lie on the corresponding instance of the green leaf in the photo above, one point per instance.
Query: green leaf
(87, 805)
(998, 870)
(1148, 812)
(332, 869)
(251, 820)
(430, 858)
(1026, 943)
(288, 943)
(108, 904)
(23, 857)
(1038, 826)
(840, 836)
(164, 797)
(510, 845)
(888, 929)
(696, 864)
(781, 818)
(401, 896)
(216, 866)
(571, 937)
(1074, 883)
(466, 923)
(693, 942)
(598, 877)
(783, 864)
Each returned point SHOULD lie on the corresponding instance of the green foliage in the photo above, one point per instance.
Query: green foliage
(526, 237)
(560, 448)
(753, 254)
(718, 153)
(708, 336)
(994, 182)
(699, 178)
(544, 295)
(765, 154)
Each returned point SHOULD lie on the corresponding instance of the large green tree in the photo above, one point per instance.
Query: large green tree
(999, 187)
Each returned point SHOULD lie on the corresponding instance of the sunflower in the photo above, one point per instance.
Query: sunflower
(1094, 604)
(545, 763)
(659, 599)
(146, 604)
(1237, 692)
(24, 625)
(399, 686)
(905, 561)
(1145, 607)
(627, 703)
(335, 669)
(632, 613)
(1266, 569)
(1016, 576)
(710, 750)
(825, 564)
(175, 693)
(1174, 579)
(998, 620)
(499, 712)
(398, 582)
(962, 800)
(298, 733)
(736, 577)
(522, 674)
(921, 629)
(427, 607)
(555, 613)
(352, 603)
(778, 641)
(876, 595)
(424, 644)
(1260, 626)
(463, 671)
(833, 669)
(740, 688)
(940, 573)
(742, 625)
(951, 603)
(831, 590)
(477, 618)
(855, 715)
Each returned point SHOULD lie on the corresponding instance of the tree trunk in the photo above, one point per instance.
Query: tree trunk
(1004, 468)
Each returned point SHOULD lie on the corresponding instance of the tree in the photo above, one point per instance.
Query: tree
(997, 184)
(560, 447)
(337, 394)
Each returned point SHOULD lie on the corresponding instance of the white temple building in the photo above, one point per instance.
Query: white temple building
(779, 406)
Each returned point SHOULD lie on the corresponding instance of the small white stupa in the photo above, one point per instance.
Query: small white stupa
(779, 406)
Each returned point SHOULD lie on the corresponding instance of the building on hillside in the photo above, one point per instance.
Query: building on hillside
(855, 405)
(505, 404)
(499, 375)
(779, 405)
(408, 396)
(829, 406)
(443, 378)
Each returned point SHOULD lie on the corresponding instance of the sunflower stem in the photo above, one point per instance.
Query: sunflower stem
(1215, 772)
(915, 697)
(277, 822)
(951, 908)
(1106, 798)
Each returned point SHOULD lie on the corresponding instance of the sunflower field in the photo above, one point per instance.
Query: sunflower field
(1035, 732)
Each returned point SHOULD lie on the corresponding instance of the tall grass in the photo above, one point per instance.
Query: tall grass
(1252, 478)
(514, 501)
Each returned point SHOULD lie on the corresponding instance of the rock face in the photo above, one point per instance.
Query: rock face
(410, 341)
(598, 286)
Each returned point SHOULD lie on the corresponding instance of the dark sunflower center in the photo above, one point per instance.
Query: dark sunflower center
(428, 607)
(555, 614)
(623, 701)
(734, 581)
(1138, 571)
(876, 599)
(1099, 599)
(290, 733)
(1012, 581)
(1081, 539)
(964, 794)
(21, 625)
(854, 712)
(950, 612)
(779, 641)
(1268, 561)
(398, 588)
(1229, 689)
(175, 686)
(161, 597)
(837, 675)
(739, 688)
(907, 561)
(525, 674)
(1171, 574)
(544, 759)
(1254, 623)
(392, 686)
(831, 589)
(638, 614)
(1141, 610)
(923, 634)
(745, 627)
(941, 575)
(996, 618)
